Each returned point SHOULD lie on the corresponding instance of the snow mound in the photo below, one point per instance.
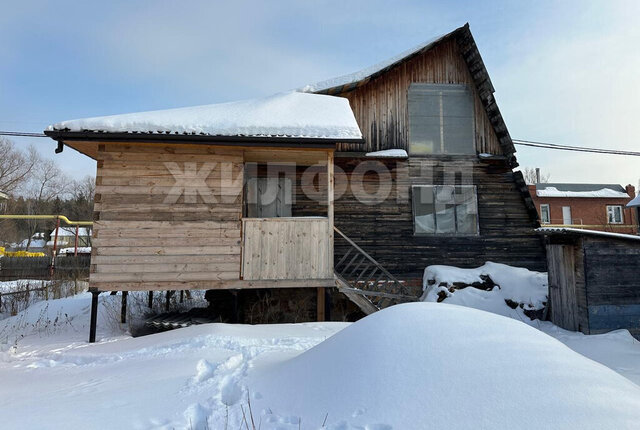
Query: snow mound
(291, 114)
(425, 365)
(515, 285)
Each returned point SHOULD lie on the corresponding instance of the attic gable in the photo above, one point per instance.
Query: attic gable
(349, 85)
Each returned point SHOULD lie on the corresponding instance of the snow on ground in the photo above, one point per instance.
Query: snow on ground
(618, 349)
(418, 365)
(372, 374)
(72, 250)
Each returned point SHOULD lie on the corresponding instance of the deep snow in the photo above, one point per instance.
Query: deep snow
(400, 368)
(420, 365)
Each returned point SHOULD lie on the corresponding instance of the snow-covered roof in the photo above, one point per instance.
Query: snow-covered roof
(568, 230)
(69, 231)
(581, 190)
(292, 114)
(635, 202)
(361, 75)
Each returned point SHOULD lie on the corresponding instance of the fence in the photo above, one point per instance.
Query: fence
(66, 267)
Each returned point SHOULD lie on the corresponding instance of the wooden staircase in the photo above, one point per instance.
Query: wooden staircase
(363, 280)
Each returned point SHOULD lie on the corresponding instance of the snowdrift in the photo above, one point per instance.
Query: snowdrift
(517, 285)
(427, 365)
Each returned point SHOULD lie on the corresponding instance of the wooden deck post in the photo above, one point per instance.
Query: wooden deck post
(330, 198)
(321, 293)
(150, 302)
(167, 300)
(94, 314)
(123, 310)
(321, 304)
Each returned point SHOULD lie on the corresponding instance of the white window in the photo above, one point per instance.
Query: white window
(614, 215)
(440, 119)
(445, 209)
(545, 214)
(566, 215)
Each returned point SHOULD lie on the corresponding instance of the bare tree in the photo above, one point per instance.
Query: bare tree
(15, 165)
(530, 176)
(46, 183)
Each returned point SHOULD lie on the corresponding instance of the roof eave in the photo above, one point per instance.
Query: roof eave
(64, 135)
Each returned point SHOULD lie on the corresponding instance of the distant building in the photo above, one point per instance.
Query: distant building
(600, 207)
(67, 237)
(3, 201)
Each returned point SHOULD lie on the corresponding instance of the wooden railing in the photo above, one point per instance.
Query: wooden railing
(286, 248)
(365, 281)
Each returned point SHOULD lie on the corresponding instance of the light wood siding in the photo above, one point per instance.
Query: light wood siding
(380, 106)
(286, 248)
(143, 241)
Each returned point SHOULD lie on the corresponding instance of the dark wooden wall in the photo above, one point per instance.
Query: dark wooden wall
(380, 106)
(612, 281)
(385, 229)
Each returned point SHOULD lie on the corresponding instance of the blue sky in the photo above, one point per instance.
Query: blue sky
(564, 72)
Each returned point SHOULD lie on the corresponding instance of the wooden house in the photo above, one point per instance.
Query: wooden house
(415, 149)
(436, 103)
(593, 280)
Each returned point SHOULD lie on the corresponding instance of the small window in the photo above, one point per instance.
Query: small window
(440, 119)
(614, 215)
(545, 214)
(445, 209)
(268, 197)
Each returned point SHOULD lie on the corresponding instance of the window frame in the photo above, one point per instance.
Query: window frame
(611, 209)
(435, 233)
(548, 221)
(433, 86)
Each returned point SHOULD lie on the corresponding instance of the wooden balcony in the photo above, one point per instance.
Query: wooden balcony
(285, 249)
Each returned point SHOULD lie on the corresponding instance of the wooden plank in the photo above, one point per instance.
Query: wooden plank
(212, 284)
(162, 277)
(170, 250)
(180, 233)
(99, 260)
(163, 241)
(183, 267)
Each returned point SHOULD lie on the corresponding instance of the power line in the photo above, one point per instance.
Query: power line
(574, 148)
(531, 143)
(21, 133)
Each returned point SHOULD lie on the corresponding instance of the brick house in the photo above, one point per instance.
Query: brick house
(592, 206)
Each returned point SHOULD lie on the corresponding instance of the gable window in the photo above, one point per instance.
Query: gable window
(445, 209)
(614, 215)
(545, 214)
(440, 119)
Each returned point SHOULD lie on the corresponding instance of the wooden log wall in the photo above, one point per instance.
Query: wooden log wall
(381, 109)
(385, 229)
(142, 242)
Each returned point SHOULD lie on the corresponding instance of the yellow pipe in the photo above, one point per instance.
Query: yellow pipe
(60, 217)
